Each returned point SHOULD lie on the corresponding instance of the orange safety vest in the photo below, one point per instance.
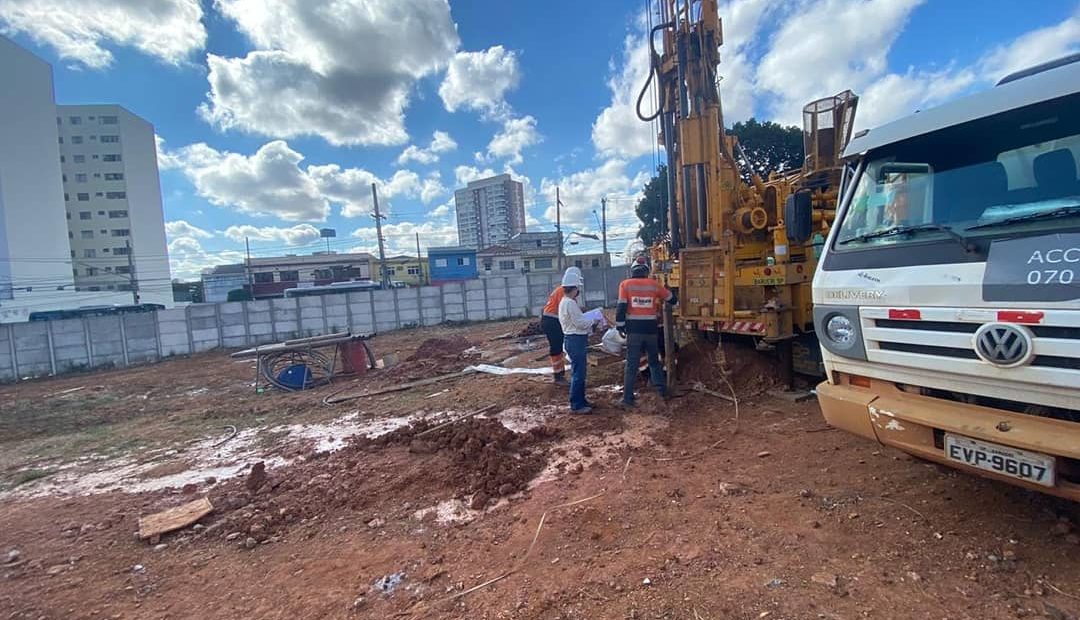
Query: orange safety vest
(639, 303)
(551, 308)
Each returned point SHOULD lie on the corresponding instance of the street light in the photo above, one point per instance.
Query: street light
(577, 234)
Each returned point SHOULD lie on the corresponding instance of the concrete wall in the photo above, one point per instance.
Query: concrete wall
(57, 347)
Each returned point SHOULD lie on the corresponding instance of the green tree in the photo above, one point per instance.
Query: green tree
(650, 209)
(768, 146)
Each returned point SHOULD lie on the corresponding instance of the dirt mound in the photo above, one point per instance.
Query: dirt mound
(492, 461)
(440, 348)
(750, 372)
(478, 460)
(532, 329)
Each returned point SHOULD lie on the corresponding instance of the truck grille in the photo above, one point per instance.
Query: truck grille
(943, 340)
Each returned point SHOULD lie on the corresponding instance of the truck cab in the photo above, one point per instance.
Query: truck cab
(947, 297)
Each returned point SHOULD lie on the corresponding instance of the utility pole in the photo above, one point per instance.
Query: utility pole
(247, 268)
(558, 226)
(419, 262)
(383, 279)
(603, 229)
(131, 274)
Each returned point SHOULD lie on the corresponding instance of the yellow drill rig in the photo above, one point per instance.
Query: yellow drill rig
(741, 254)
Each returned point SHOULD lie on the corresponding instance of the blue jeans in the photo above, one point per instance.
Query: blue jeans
(635, 343)
(576, 346)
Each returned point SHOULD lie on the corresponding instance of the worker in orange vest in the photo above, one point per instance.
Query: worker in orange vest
(549, 323)
(635, 317)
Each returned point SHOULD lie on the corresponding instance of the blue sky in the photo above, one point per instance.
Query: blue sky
(276, 116)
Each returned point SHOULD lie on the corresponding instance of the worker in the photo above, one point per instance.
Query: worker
(549, 323)
(576, 328)
(639, 298)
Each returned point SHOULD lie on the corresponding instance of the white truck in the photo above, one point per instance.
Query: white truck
(947, 297)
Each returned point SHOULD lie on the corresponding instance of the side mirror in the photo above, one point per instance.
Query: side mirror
(799, 217)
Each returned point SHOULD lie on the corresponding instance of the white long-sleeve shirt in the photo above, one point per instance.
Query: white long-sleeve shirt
(572, 320)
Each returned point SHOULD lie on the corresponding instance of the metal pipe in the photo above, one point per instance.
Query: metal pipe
(688, 214)
(702, 202)
(672, 219)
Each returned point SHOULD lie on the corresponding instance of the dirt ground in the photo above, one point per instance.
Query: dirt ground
(481, 497)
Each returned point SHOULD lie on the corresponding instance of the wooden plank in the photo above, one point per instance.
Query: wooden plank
(174, 518)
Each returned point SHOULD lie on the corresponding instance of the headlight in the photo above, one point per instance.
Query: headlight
(840, 330)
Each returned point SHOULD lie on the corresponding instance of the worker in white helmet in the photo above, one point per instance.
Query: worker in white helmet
(576, 328)
(549, 323)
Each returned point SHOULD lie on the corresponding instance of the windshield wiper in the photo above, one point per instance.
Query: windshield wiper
(1031, 217)
(908, 230)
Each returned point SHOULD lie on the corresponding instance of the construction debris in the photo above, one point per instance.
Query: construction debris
(175, 518)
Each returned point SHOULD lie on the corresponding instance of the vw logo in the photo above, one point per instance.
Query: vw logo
(1003, 344)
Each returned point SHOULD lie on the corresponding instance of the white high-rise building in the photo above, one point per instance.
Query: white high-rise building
(113, 194)
(34, 269)
(490, 211)
(39, 269)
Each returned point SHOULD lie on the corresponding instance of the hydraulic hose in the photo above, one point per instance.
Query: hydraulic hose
(654, 70)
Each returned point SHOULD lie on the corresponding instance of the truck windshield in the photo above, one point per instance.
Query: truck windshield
(990, 177)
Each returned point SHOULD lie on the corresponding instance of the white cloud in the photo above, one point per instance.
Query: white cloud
(480, 80)
(464, 174)
(301, 234)
(351, 188)
(272, 182)
(268, 182)
(401, 238)
(340, 71)
(1032, 48)
(441, 142)
(442, 210)
(165, 159)
(516, 135)
(187, 258)
(80, 30)
(432, 188)
(582, 191)
(181, 228)
(617, 131)
(830, 46)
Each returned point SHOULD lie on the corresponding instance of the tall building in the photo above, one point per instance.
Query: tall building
(35, 272)
(490, 211)
(113, 194)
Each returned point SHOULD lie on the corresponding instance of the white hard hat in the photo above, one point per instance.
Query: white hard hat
(572, 277)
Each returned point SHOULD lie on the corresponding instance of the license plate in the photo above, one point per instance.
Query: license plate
(773, 281)
(1019, 464)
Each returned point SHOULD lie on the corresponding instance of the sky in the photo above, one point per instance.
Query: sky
(274, 117)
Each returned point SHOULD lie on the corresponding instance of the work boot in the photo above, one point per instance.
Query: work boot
(627, 404)
(583, 411)
(560, 378)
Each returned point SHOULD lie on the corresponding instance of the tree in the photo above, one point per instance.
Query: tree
(769, 146)
(650, 209)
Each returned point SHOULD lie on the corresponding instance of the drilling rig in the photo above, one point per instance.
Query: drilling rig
(740, 253)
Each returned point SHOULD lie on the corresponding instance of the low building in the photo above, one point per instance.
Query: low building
(409, 270)
(596, 260)
(219, 280)
(451, 264)
(500, 260)
(271, 276)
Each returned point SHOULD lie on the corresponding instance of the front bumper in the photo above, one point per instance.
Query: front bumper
(909, 421)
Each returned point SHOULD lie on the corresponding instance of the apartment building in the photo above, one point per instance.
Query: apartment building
(116, 225)
(490, 211)
(35, 265)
